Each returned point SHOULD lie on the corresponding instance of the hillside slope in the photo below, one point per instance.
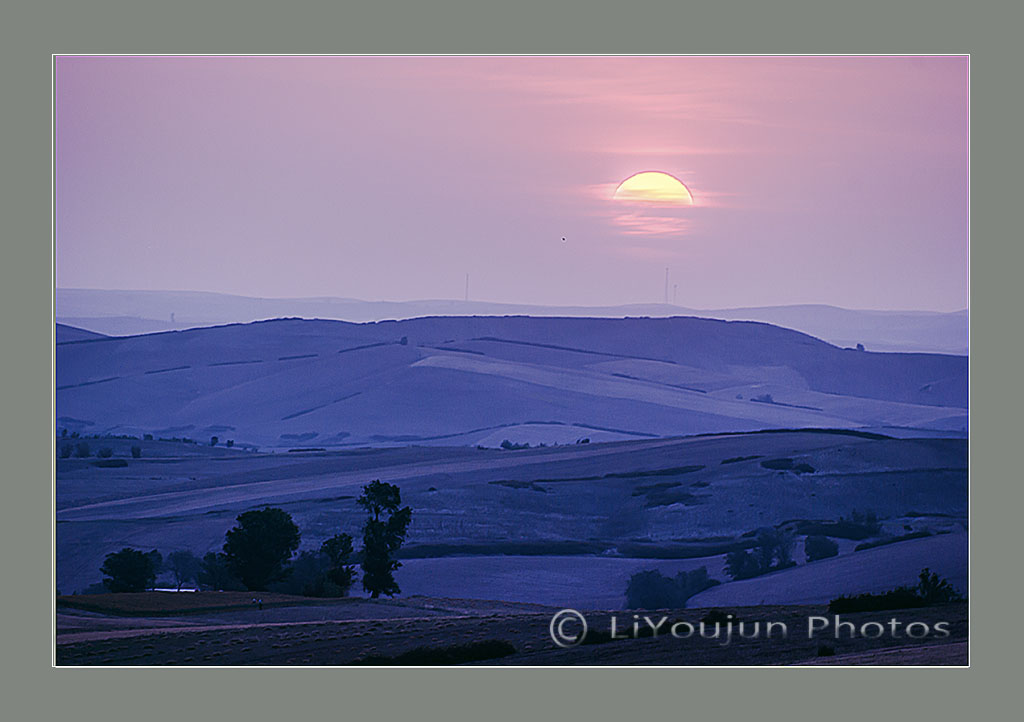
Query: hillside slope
(125, 313)
(479, 380)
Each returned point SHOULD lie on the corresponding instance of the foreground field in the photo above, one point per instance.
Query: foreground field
(354, 631)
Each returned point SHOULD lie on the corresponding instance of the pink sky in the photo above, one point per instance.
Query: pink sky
(816, 180)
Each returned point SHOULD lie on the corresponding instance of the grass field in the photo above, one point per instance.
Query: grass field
(455, 623)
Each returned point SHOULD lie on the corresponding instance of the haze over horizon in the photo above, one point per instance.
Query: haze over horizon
(487, 301)
(838, 181)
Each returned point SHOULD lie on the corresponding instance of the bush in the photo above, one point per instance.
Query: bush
(82, 450)
(509, 446)
(65, 451)
(820, 547)
(213, 440)
(105, 453)
(136, 452)
(229, 443)
(930, 589)
(147, 437)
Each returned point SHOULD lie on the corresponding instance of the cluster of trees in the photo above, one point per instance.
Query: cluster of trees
(82, 450)
(772, 550)
(653, 590)
(931, 589)
(258, 555)
(817, 546)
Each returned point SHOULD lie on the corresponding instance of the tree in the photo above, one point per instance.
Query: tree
(340, 571)
(650, 589)
(257, 550)
(741, 564)
(136, 452)
(65, 451)
(772, 550)
(819, 547)
(130, 570)
(382, 537)
(105, 453)
(933, 589)
(215, 574)
(82, 450)
(184, 565)
(213, 440)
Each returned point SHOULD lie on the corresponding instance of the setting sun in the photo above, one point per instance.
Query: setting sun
(654, 187)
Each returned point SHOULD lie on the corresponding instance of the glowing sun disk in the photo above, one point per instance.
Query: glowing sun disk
(654, 187)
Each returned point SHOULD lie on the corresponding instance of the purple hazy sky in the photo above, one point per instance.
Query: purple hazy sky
(815, 180)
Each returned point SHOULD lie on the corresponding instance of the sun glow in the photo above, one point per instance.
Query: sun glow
(654, 187)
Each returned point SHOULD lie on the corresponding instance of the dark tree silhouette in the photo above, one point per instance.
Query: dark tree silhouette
(773, 551)
(650, 589)
(184, 565)
(338, 550)
(215, 574)
(933, 589)
(819, 547)
(130, 570)
(382, 537)
(257, 550)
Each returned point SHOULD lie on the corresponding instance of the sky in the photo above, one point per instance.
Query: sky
(836, 180)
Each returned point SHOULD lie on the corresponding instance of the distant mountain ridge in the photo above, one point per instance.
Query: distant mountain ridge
(123, 313)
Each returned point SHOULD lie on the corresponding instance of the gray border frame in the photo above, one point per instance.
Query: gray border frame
(34, 31)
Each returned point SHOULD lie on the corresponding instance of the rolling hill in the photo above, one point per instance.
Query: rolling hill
(481, 380)
(124, 313)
